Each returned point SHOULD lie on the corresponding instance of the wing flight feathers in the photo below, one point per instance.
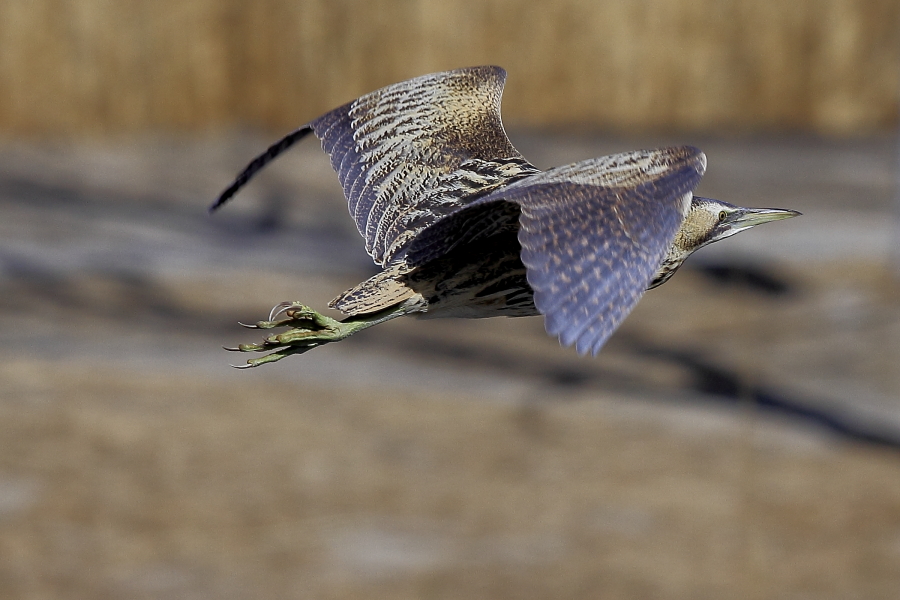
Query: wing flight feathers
(416, 151)
(410, 153)
(592, 234)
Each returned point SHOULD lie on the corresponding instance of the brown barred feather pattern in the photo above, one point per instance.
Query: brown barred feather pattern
(410, 153)
(464, 226)
(591, 234)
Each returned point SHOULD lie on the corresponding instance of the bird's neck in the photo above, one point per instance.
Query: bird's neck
(692, 235)
(673, 260)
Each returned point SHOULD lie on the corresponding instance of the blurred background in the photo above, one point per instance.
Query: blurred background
(739, 437)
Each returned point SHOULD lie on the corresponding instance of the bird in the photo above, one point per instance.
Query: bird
(462, 225)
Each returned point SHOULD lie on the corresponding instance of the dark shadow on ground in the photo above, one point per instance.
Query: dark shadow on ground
(752, 277)
(138, 300)
(709, 381)
(723, 385)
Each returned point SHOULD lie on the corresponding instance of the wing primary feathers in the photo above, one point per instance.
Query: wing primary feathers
(259, 162)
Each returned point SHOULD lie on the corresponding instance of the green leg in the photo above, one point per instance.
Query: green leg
(306, 330)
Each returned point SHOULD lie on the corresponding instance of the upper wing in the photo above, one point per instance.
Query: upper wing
(408, 154)
(592, 234)
(415, 151)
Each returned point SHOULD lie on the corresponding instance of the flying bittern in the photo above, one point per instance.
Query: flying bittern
(463, 226)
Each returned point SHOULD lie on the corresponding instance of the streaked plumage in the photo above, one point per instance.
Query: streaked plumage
(464, 226)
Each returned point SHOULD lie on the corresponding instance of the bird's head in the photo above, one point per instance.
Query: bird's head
(711, 220)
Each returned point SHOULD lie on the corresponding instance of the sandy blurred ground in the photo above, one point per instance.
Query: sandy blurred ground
(738, 438)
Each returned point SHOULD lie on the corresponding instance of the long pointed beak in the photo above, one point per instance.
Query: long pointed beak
(750, 217)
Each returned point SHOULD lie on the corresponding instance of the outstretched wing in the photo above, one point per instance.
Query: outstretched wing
(408, 154)
(592, 235)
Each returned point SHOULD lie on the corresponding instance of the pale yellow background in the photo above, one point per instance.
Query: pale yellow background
(829, 66)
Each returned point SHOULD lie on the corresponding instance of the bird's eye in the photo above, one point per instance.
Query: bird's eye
(722, 215)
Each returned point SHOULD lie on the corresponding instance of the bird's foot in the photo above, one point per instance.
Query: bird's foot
(306, 329)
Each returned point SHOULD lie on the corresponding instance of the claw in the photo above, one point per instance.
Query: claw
(306, 329)
(280, 308)
(231, 349)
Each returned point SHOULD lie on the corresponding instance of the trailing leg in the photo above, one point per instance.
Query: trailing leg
(307, 329)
